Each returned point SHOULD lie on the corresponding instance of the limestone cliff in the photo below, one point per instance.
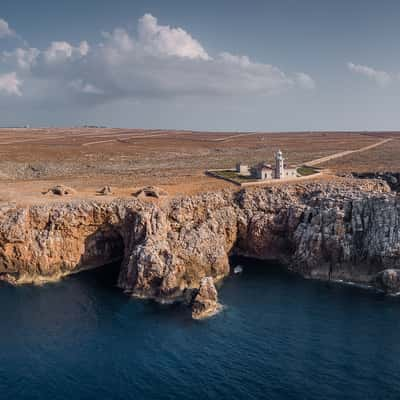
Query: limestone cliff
(328, 231)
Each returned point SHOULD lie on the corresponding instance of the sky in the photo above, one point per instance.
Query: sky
(256, 65)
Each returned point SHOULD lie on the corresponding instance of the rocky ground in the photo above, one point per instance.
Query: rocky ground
(88, 159)
(391, 178)
(177, 249)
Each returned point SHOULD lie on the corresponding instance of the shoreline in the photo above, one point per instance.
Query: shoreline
(167, 247)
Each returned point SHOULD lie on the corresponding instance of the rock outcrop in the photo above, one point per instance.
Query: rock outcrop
(326, 231)
(388, 280)
(171, 249)
(205, 303)
(391, 178)
(61, 190)
(150, 191)
(105, 191)
(44, 243)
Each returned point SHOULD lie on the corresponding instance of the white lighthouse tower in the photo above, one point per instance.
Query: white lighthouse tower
(279, 166)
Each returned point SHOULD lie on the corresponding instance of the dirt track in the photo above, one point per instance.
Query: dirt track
(32, 160)
(346, 153)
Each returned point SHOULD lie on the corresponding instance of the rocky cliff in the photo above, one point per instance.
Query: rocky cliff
(328, 231)
(391, 178)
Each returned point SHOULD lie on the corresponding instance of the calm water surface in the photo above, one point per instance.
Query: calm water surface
(279, 337)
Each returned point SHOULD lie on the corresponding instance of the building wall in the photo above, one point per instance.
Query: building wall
(265, 174)
(242, 169)
(290, 173)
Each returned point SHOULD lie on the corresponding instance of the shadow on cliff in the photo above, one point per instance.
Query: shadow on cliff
(104, 249)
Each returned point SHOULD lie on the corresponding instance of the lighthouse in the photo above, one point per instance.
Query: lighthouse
(279, 167)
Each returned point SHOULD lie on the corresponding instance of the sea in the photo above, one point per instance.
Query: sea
(278, 336)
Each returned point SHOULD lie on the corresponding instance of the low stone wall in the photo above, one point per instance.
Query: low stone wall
(214, 173)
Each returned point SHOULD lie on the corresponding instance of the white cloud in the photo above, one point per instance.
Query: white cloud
(5, 29)
(159, 61)
(382, 78)
(56, 53)
(10, 84)
(243, 61)
(163, 40)
(305, 81)
(22, 58)
(62, 51)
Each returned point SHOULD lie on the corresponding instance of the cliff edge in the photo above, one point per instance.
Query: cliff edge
(327, 231)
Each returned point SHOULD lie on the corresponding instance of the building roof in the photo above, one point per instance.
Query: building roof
(264, 165)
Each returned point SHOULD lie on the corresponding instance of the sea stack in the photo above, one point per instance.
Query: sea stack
(205, 303)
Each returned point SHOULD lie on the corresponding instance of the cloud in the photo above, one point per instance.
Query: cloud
(382, 78)
(22, 58)
(5, 29)
(62, 51)
(158, 61)
(10, 84)
(84, 87)
(56, 53)
(161, 40)
(305, 81)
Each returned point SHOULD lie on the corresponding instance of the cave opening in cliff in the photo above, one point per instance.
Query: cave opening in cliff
(107, 275)
(104, 253)
(255, 265)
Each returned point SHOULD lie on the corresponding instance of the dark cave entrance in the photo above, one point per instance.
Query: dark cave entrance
(106, 275)
(104, 253)
(252, 263)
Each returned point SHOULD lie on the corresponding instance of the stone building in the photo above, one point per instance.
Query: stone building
(280, 170)
(289, 172)
(264, 171)
(243, 169)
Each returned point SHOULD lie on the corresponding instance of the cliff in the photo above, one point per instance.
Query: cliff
(326, 231)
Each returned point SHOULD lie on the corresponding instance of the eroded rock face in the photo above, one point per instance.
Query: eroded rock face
(348, 238)
(389, 281)
(391, 178)
(182, 243)
(43, 243)
(326, 231)
(205, 303)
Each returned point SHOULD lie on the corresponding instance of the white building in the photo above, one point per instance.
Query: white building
(265, 171)
(243, 169)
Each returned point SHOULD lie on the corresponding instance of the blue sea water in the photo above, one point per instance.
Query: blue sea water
(278, 337)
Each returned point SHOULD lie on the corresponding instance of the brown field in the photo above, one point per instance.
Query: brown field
(382, 158)
(32, 160)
